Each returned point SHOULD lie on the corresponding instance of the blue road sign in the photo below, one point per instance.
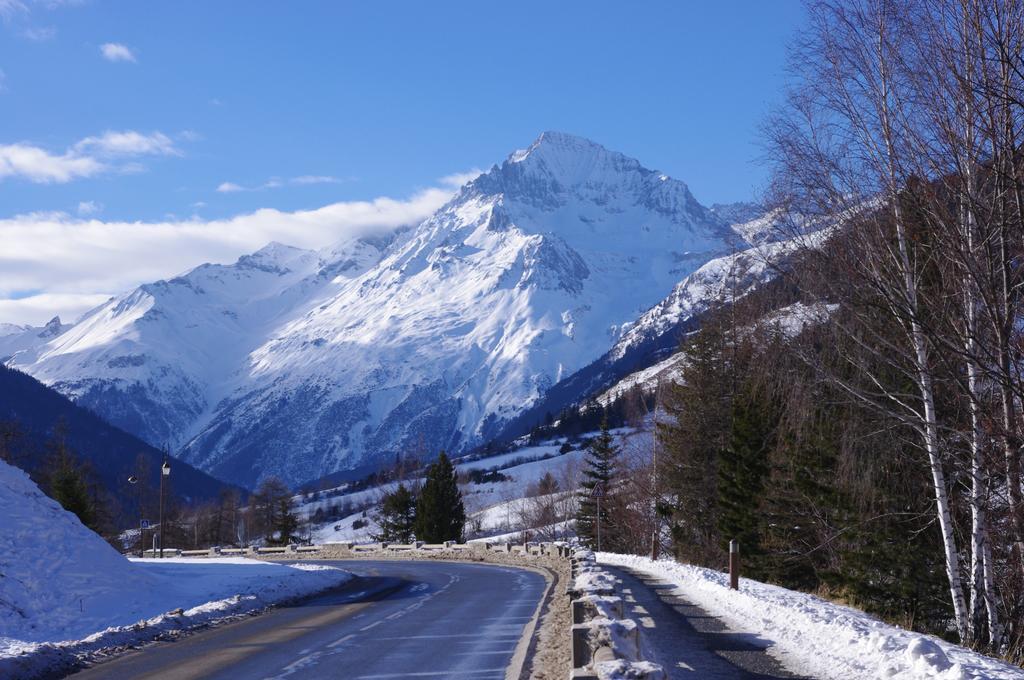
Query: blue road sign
(144, 524)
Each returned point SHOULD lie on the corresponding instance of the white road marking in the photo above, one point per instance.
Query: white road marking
(341, 640)
(425, 674)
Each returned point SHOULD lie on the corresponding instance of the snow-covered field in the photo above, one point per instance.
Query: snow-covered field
(818, 637)
(492, 507)
(65, 593)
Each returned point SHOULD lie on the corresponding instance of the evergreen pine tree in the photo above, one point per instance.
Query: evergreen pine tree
(440, 514)
(742, 473)
(699, 407)
(397, 516)
(803, 504)
(66, 482)
(599, 475)
(286, 523)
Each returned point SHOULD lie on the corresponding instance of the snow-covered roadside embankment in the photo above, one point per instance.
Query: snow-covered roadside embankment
(184, 594)
(818, 637)
(67, 596)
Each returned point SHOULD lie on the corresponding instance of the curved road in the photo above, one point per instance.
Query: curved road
(398, 619)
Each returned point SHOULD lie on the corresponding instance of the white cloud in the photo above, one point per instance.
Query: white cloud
(40, 33)
(87, 208)
(40, 166)
(10, 8)
(115, 51)
(86, 158)
(127, 143)
(315, 179)
(456, 180)
(277, 183)
(72, 261)
(38, 309)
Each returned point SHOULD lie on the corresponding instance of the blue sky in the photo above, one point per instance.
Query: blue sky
(121, 112)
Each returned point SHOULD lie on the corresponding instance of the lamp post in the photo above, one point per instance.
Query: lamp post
(165, 471)
(133, 480)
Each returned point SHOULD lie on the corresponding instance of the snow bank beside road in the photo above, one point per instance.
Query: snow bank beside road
(66, 594)
(817, 637)
(185, 594)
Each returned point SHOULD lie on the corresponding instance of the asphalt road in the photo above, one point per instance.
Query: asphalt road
(415, 619)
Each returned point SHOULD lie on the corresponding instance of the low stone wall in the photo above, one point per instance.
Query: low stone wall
(605, 644)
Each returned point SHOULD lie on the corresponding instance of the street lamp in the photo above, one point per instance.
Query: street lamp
(133, 480)
(165, 471)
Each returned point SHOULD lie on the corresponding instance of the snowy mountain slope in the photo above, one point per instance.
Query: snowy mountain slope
(39, 412)
(15, 339)
(719, 281)
(790, 321)
(491, 506)
(645, 347)
(155, 360)
(297, 364)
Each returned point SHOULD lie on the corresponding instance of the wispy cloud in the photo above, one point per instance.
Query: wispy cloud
(88, 208)
(40, 33)
(3, 81)
(229, 188)
(11, 8)
(40, 166)
(278, 182)
(76, 263)
(115, 51)
(127, 143)
(457, 179)
(38, 309)
(86, 158)
(316, 179)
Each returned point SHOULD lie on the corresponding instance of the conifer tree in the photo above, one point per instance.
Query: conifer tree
(66, 481)
(803, 504)
(286, 523)
(742, 473)
(397, 516)
(440, 514)
(599, 475)
(699, 407)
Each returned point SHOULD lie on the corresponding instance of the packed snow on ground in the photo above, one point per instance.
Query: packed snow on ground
(494, 509)
(65, 593)
(817, 637)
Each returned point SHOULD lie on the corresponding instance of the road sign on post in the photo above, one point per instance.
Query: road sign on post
(145, 524)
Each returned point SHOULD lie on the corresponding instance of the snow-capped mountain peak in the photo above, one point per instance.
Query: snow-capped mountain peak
(298, 363)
